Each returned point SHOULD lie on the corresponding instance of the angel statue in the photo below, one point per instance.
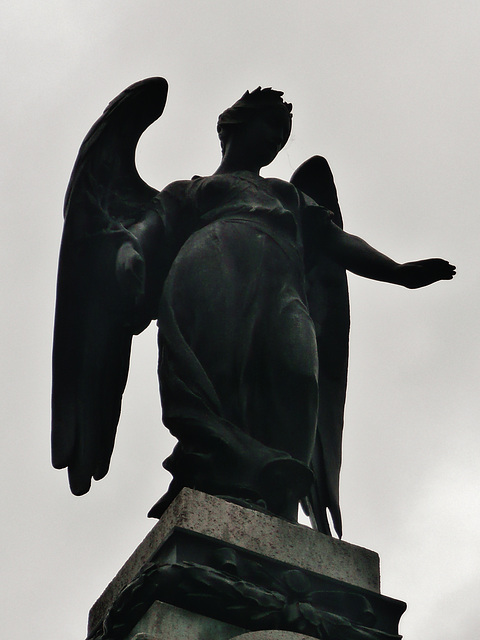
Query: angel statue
(246, 278)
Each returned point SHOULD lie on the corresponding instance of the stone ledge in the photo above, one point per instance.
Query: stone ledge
(271, 634)
(166, 622)
(251, 530)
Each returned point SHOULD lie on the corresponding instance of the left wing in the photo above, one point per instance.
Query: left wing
(95, 316)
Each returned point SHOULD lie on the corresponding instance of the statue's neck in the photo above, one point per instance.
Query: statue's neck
(229, 165)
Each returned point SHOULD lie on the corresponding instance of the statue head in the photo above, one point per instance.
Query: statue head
(266, 103)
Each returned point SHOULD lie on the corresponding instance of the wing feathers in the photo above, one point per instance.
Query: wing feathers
(94, 318)
(329, 309)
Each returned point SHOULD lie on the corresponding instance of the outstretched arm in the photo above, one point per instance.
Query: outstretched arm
(357, 256)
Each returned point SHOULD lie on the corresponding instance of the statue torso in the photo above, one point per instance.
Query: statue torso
(269, 205)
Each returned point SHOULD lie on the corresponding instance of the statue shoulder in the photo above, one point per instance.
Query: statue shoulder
(178, 189)
(287, 192)
(176, 197)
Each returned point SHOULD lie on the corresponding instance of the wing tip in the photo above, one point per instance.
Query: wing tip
(144, 100)
(80, 483)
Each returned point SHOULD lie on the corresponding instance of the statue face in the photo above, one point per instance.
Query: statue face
(259, 140)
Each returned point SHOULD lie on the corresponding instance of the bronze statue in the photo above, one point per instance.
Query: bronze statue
(246, 276)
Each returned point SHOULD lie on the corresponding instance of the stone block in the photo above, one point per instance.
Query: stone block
(253, 531)
(166, 622)
(213, 569)
(273, 634)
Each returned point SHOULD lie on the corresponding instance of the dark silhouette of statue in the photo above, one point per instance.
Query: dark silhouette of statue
(246, 276)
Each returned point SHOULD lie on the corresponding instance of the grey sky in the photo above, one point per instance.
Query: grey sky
(389, 92)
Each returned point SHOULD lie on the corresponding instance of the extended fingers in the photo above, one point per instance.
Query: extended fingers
(438, 267)
(446, 269)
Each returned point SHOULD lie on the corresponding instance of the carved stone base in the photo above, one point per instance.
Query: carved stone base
(166, 622)
(240, 570)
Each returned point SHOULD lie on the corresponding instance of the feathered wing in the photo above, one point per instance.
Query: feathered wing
(94, 318)
(329, 309)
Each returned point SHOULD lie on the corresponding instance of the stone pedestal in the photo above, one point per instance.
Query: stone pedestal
(166, 622)
(211, 569)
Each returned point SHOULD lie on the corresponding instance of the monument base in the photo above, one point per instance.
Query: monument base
(213, 569)
(166, 622)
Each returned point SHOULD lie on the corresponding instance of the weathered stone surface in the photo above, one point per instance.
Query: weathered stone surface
(251, 530)
(272, 634)
(166, 622)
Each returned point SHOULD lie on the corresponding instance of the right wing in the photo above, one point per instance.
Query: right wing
(95, 317)
(329, 309)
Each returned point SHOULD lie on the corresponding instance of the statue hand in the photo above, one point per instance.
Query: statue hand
(130, 270)
(421, 273)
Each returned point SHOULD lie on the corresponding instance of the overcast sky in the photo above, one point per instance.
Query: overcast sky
(389, 92)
